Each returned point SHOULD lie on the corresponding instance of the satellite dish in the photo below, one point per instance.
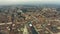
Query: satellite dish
(30, 25)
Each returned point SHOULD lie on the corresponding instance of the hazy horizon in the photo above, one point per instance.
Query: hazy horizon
(11, 2)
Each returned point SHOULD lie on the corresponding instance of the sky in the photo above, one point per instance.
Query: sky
(9, 2)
